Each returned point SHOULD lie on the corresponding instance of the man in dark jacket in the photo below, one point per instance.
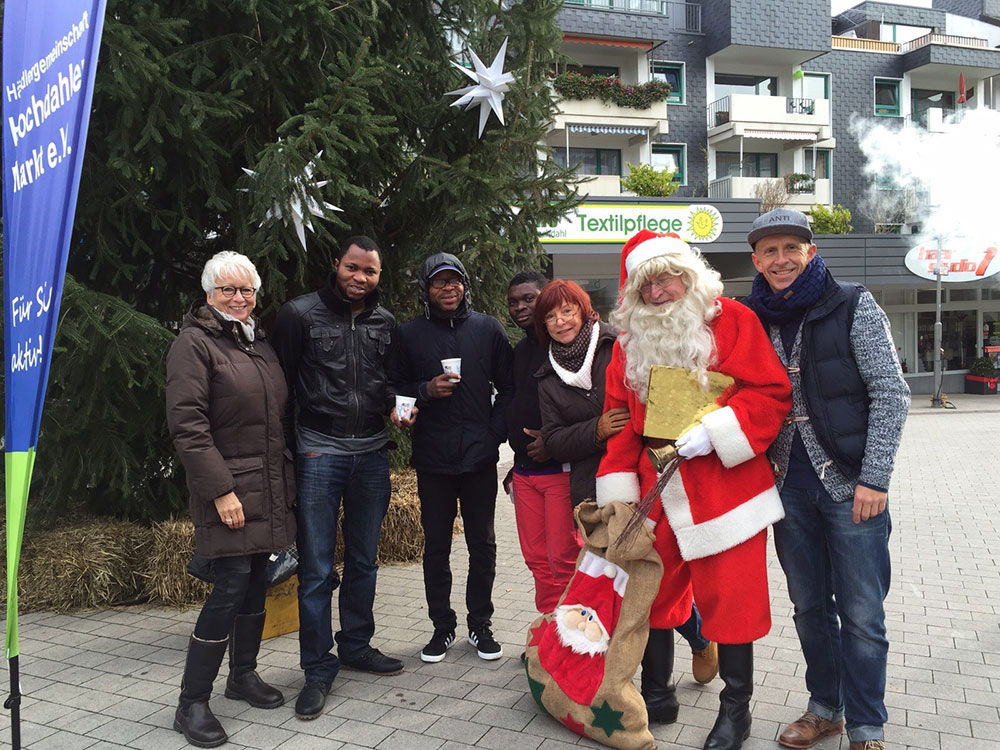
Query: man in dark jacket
(455, 443)
(833, 459)
(336, 347)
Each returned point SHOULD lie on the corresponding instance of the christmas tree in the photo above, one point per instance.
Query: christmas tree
(188, 96)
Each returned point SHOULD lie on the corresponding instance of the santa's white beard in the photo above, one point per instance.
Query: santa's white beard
(674, 334)
(574, 638)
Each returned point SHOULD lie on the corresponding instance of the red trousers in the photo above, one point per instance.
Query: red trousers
(730, 588)
(549, 541)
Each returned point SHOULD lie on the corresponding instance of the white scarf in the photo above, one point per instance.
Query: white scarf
(582, 377)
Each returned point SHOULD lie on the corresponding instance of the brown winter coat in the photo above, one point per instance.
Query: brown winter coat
(569, 418)
(225, 402)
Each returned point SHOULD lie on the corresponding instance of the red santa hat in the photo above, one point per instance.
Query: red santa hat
(598, 586)
(645, 245)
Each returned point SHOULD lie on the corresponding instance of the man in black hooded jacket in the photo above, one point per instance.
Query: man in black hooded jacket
(455, 443)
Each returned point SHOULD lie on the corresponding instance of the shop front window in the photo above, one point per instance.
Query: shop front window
(958, 339)
(991, 336)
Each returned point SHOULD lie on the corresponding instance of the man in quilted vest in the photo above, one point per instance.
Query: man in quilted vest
(833, 460)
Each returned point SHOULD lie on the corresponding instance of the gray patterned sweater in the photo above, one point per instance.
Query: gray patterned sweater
(875, 355)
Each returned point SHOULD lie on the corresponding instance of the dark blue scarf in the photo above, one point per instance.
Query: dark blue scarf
(781, 307)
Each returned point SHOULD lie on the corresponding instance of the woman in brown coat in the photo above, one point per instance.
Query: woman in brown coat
(571, 384)
(226, 399)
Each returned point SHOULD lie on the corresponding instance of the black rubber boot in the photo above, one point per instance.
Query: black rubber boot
(732, 726)
(194, 719)
(244, 684)
(658, 690)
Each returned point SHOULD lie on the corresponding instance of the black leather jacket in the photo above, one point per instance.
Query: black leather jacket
(337, 366)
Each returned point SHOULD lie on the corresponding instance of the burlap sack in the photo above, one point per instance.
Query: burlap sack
(592, 694)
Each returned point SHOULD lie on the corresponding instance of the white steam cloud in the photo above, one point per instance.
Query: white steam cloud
(947, 182)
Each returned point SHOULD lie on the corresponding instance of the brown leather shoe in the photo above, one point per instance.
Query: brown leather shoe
(868, 745)
(705, 663)
(810, 729)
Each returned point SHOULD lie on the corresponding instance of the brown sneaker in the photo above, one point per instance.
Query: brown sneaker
(868, 745)
(810, 729)
(705, 663)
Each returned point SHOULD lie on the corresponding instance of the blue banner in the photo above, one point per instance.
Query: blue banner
(49, 61)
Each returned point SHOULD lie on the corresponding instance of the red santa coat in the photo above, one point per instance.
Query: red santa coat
(715, 503)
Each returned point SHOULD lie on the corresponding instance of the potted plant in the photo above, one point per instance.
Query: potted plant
(982, 377)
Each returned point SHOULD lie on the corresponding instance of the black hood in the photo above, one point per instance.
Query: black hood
(434, 263)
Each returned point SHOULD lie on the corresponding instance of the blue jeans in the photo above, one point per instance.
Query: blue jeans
(690, 631)
(362, 482)
(838, 576)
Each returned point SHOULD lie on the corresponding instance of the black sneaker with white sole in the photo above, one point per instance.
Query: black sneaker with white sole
(486, 645)
(439, 645)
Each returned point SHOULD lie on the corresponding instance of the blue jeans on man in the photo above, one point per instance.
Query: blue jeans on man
(324, 480)
(838, 575)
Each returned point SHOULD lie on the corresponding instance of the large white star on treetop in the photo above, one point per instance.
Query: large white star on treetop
(301, 206)
(489, 88)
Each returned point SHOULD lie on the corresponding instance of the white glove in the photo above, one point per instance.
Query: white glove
(694, 442)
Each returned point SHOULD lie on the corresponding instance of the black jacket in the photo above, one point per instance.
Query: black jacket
(337, 366)
(460, 433)
(836, 397)
(570, 415)
(523, 411)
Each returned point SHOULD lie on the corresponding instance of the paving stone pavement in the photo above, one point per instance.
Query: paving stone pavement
(110, 678)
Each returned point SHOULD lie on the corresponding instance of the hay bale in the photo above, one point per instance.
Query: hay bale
(167, 579)
(97, 563)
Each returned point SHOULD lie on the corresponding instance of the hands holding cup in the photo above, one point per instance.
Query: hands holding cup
(443, 385)
(405, 413)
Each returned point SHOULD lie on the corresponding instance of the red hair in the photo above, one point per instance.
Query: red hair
(556, 294)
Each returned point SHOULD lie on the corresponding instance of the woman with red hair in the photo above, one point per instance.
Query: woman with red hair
(574, 429)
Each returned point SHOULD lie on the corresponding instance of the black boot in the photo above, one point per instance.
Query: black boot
(244, 684)
(194, 719)
(658, 691)
(736, 670)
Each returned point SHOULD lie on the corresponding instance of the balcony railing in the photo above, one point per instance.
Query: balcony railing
(682, 16)
(718, 112)
(800, 106)
(868, 45)
(949, 39)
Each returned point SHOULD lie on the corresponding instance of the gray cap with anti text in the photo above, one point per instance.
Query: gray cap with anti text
(780, 221)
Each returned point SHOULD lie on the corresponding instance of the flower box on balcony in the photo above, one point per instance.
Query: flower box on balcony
(796, 182)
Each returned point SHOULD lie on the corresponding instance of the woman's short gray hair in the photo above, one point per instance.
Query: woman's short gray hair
(228, 263)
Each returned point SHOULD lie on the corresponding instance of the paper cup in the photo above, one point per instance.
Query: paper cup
(452, 366)
(404, 406)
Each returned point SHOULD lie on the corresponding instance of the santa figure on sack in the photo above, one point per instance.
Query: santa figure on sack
(710, 525)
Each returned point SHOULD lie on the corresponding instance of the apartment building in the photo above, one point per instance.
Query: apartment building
(764, 92)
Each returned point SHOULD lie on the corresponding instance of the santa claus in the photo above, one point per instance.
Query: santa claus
(712, 519)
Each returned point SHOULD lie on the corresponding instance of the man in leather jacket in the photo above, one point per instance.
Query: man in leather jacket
(336, 347)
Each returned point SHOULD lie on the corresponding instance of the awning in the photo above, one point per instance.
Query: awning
(781, 135)
(632, 43)
(607, 130)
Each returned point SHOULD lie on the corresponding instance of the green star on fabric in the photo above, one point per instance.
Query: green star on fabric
(536, 688)
(607, 719)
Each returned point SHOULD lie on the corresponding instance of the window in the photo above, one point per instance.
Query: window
(958, 339)
(671, 155)
(822, 163)
(923, 100)
(594, 70)
(590, 160)
(727, 164)
(887, 97)
(816, 85)
(726, 84)
(672, 73)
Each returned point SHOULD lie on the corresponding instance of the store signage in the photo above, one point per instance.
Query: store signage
(614, 223)
(959, 261)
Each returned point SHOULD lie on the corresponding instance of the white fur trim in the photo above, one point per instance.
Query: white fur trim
(727, 436)
(654, 248)
(724, 532)
(596, 566)
(582, 377)
(621, 485)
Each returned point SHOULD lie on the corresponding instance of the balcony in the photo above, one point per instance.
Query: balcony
(933, 120)
(865, 45)
(682, 16)
(598, 114)
(801, 195)
(950, 40)
(738, 116)
(600, 184)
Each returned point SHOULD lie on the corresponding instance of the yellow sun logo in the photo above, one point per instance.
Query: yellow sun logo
(704, 223)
